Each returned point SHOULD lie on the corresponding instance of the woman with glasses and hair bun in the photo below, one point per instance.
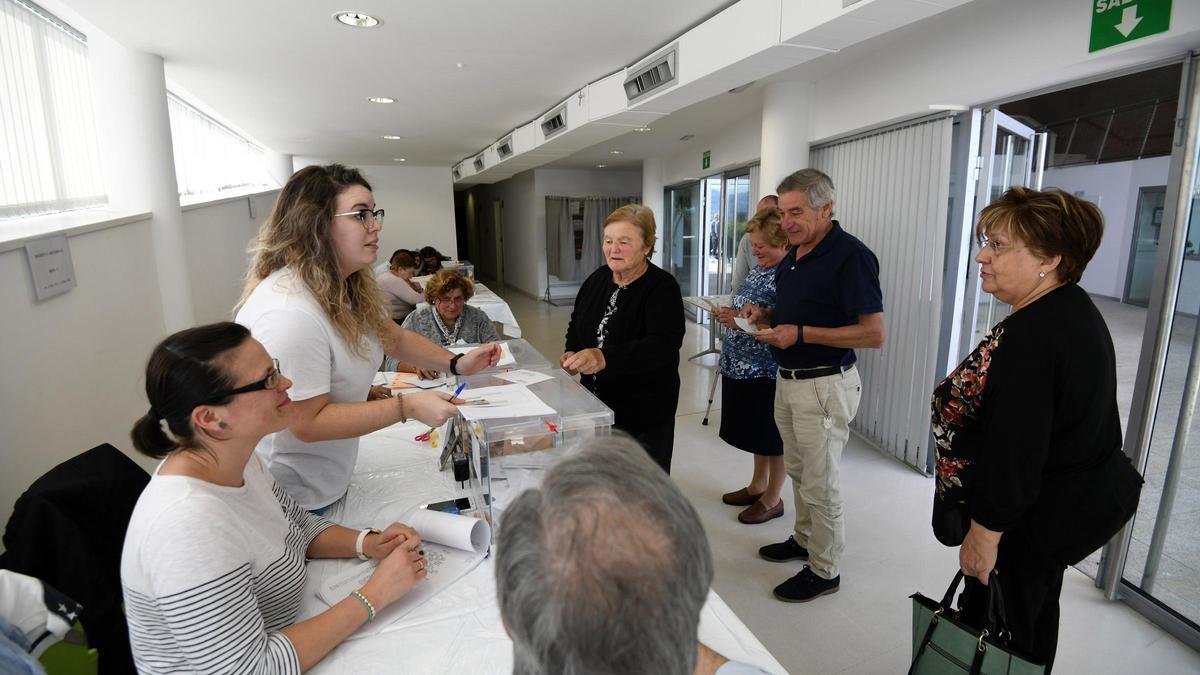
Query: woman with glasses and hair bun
(213, 561)
(312, 300)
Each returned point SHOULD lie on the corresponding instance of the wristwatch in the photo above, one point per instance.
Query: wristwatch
(358, 543)
(454, 364)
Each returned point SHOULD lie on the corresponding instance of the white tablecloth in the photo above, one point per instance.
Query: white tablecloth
(459, 630)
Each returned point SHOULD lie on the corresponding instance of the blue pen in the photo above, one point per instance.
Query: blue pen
(459, 390)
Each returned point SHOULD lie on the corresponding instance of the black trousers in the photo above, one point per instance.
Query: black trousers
(659, 442)
(1031, 585)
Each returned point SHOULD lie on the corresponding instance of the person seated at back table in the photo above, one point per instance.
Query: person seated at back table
(213, 565)
(604, 569)
(402, 293)
(431, 261)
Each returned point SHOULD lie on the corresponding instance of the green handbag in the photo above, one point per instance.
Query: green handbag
(943, 644)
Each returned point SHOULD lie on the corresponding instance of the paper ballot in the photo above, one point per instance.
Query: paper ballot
(525, 377)
(744, 323)
(453, 545)
(506, 400)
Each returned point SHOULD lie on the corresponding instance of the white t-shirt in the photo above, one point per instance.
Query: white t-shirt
(212, 574)
(284, 316)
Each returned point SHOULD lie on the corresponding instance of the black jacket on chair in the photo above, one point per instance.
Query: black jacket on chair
(68, 529)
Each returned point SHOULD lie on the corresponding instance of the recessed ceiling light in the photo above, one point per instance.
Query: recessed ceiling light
(382, 99)
(458, 65)
(601, 166)
(390, 137)
(615, 152)
(357, 19)
(398, 159)
(642, 129)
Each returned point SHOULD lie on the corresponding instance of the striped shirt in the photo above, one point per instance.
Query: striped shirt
(211, 574)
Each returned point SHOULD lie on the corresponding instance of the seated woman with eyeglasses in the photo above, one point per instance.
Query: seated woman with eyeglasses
(448, 319)
(213, 561)
(313, 302)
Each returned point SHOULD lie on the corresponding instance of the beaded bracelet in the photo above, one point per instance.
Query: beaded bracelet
(366, 603)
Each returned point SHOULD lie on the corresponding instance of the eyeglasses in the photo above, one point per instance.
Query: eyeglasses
(997, 247)
(267, 382)
(365, 217)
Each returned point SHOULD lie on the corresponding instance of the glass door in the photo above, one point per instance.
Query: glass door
(1154, 563)
(737, 212)
(710, 283)
(1144, 247)
(681, 253)
(1007, 158)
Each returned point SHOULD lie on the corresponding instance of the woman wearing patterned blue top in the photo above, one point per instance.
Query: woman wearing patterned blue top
(748, 378)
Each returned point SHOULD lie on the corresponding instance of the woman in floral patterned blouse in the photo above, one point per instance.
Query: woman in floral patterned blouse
(1030, 473)
(748, 378)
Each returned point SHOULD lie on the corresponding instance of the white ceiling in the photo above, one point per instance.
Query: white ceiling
(290, 76)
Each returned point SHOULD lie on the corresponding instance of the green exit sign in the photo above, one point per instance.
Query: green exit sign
(707, 161)
(1115, 22)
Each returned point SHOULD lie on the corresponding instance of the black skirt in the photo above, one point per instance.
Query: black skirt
(748, 415)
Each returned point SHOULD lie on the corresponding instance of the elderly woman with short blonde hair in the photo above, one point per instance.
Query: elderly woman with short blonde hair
(625, 333)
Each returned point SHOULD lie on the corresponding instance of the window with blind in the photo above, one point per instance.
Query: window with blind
(48, 156)
(210, 158)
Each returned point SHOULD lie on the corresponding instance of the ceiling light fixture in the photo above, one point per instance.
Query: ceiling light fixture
(398, 159)
(458, 65)
(687, 137)
(390, 137)
(601, 166)
(382, 99)
(356, 19)
(615, 152)
(642, 129)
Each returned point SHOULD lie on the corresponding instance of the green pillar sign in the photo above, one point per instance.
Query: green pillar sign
(1115, 22)
(707, 161)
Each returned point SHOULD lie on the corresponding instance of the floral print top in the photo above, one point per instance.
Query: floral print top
(743, 357)
(957, 402)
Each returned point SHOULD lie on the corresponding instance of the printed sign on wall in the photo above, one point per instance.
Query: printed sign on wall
(50, 263)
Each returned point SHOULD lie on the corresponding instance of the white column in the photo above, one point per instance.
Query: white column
(786, 125)
(653, 170)
(130, 97)
(279, 166)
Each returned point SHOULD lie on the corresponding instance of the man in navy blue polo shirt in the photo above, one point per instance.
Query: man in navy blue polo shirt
(828, 303)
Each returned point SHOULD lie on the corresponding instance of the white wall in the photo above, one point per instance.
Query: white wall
(1117, 185)
(216, 236)
(736, 145)
(981, 52)
(523, 254)
(73, 364)
(419, 201)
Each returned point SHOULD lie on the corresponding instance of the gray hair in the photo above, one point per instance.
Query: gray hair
(817, 187)
(604, 568)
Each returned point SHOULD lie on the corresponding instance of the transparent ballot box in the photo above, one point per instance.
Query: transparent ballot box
(498, 458)
(464, 267)
(518, 355)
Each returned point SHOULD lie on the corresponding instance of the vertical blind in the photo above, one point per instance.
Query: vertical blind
(893, 188)
(48, 156)
(210, 158)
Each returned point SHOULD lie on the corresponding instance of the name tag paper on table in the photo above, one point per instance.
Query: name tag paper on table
(453, 544)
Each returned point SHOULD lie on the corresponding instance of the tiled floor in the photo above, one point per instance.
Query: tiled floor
(890, 552)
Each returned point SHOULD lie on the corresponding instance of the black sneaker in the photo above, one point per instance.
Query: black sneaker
(784, 551)
(806, 586)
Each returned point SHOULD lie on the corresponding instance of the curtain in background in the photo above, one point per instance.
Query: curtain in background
(556, 212)
(755, 193)
(595, 210)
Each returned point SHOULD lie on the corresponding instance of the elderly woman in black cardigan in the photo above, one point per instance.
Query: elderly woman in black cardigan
(626, 331)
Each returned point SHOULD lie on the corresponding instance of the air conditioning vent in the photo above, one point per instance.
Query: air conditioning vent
(652, 74)
(457, 171)
(554, 121)
(478, 163)
(504, 148)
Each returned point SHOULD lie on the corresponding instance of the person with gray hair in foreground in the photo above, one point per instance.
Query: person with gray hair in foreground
(604, 569)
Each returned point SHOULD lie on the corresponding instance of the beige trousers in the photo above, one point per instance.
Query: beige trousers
(814, 421)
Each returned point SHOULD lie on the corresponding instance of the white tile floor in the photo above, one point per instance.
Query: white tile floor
(890, 552)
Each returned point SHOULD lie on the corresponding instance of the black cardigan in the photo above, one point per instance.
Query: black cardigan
(640, 380)
(1046, 435)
